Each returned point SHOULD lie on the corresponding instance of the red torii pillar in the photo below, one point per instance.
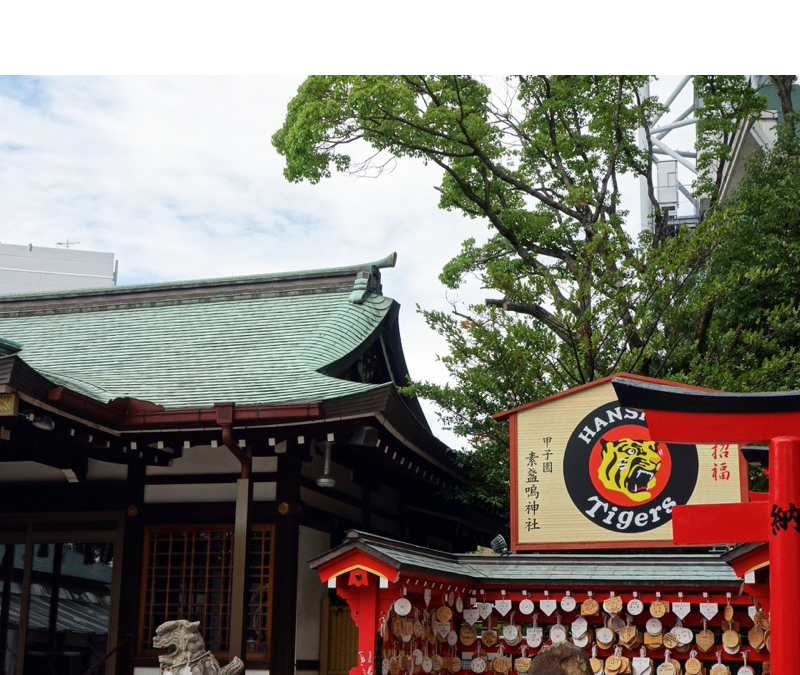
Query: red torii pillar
(679, 415)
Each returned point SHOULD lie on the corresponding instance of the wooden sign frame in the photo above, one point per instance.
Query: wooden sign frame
(574, 529)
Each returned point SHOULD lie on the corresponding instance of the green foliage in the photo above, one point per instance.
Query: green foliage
(575, 298)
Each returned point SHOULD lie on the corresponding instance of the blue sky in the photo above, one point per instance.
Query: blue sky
(176, 175)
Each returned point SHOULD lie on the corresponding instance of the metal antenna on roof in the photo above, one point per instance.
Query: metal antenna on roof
(67, 243)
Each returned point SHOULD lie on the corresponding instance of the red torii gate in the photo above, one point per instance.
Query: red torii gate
(680, 415)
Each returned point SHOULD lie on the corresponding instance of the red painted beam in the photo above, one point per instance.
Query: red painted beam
(133, 414)
(720, 523)
(706, 427)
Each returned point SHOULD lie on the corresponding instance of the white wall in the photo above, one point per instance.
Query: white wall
(310, 593)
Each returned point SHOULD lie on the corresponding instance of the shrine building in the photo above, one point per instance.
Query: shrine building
(182, 449)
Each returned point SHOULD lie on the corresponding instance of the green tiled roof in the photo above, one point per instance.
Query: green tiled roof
(622, 569)
(248, 340)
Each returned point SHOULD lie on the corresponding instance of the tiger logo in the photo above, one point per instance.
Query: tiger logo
(630, 467)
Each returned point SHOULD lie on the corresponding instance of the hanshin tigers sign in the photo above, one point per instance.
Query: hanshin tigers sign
(585, 472)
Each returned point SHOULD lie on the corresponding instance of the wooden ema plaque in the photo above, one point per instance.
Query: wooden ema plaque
(585, 473)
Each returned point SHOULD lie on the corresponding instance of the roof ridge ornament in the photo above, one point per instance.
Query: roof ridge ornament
(368, 279)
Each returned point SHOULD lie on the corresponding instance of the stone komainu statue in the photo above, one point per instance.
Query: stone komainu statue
(186, 651)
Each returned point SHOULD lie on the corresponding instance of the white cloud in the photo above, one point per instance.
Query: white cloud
(177, 176)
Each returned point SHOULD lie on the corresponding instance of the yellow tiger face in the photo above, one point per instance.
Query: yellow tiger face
(629, 467)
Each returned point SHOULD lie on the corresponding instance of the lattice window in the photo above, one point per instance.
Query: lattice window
(188, 576)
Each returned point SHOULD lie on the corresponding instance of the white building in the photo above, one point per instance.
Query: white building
(31, 269)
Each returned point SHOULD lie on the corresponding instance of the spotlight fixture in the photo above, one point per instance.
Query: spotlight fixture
(44, 422)
(326, 480)
(500, 546)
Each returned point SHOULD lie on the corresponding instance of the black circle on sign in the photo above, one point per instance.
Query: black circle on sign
(578, 480)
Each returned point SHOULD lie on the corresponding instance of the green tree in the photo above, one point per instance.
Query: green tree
(539, 160)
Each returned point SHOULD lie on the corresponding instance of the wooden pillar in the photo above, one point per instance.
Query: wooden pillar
(129, 557)
(283, 585)
(241, 567)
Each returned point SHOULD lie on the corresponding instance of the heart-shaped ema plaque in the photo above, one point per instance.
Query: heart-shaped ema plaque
(467, 635)
(485, 609)
(613, 605)
(471, 615)
(627, 635)
(442, 628)
(526, 606)
(548, 606)
(709, 609)
(681, 609)
(402, 606)
(489, 637)
(501, 664)
(579, 627)
(755, 637)
(503, 606)
(704, 640)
